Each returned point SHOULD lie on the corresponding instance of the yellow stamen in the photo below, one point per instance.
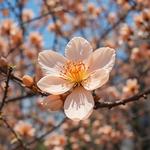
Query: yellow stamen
(74, 71)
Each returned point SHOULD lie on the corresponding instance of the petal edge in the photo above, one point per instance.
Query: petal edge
(79, 104)
(54, 85)
(78, 48)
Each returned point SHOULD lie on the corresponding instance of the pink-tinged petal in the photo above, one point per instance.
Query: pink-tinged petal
(79, 104)
(102, 58)
(54, 85)
(78, 49)
(51, 61)
(88, 115)
(96, 79)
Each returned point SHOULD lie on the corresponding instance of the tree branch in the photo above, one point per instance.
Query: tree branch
(98, 105)
(44, 134)
(133, 98)
(122, 18)
(29, 94)
(43, 15)
(15, 134)
(6, 88)
(19, 81)
(47, 133)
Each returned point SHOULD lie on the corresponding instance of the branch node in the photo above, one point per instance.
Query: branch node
(145, 96)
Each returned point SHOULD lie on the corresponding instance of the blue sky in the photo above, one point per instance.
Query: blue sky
(48, 37)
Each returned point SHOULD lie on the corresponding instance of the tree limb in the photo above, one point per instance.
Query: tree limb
(133, 98)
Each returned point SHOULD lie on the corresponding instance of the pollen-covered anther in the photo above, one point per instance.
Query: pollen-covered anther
(74, 71)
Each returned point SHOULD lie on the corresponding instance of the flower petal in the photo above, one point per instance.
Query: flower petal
(78, 49)
(79, 104)
(101, 58)
(51, 61)
(54, 85)
(96, 79)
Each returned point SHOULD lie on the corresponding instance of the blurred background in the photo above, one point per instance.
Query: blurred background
(27, 27)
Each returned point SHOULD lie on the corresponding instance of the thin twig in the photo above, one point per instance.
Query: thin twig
(29, 94)
(133, 98)
(44, 134)
(6, 88)
(15, 134)
(11, 7)
(122, 18)
(42, 16)
(4, 71)
(48, 132)
(19, 81)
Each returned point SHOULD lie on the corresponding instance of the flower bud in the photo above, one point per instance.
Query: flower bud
(91, 7)
(24, 129)
(3, 62)
(27, 80)
(53, 102)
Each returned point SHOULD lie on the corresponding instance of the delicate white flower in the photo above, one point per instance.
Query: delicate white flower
(81, 70)
(131, 87)
(24, 129)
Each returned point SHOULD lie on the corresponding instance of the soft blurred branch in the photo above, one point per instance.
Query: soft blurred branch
(42, 136)
(22, 144)
(120, 20)
(8, 74)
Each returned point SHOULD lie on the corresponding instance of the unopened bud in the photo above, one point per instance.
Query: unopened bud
(91, 7)
(53, 102)
(3, 62)
(27, 80)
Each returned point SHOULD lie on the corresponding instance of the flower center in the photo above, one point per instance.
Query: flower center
(74, 71)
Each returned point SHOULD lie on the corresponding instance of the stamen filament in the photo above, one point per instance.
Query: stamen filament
(74, 71)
